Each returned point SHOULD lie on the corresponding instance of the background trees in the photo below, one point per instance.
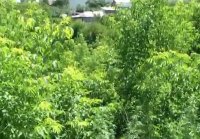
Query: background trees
(94, 4)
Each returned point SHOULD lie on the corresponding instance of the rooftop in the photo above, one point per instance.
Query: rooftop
(89, 14)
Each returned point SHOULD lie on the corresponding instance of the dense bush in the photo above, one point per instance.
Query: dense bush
(77, 26)
(90, 31)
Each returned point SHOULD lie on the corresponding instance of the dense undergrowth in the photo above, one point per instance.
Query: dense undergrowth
(134, 75)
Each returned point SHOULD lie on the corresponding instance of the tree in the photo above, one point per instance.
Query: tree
(142, 32)
(95, 4)
(80, 8)
(60, 3)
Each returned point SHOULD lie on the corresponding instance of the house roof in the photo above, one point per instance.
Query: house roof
(89, 14)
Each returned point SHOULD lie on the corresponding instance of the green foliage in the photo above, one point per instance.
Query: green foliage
(80, 8)
(91, 31)
(145, 30)
(130, 75)
(142, 32)
(159, 28)
(77, 26)
(166, 102)
(195, 19)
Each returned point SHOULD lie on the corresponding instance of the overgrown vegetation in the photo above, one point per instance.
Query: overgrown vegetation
(133, 75)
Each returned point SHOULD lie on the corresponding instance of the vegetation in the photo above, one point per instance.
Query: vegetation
(80, 8)
(133, 75)
(57, 7)
(95, 4)
(91, 5)
(91, 32)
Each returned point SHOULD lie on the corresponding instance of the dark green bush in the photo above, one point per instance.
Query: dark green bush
(92, 31)
(77, 26)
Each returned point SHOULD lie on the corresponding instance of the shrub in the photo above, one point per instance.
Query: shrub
(92, 31)
(77, 26)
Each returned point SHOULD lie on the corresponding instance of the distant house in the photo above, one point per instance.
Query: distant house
(88, 16)
(108, 10)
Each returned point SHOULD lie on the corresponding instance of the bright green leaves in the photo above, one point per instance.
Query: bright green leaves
(44, 105)
(54, 125)
(18, 97)
(30, 23)
(5, 41)
(65, 21)
(68, 32)
(53, 86)
(47, 126)
(32, 30)
(75, 74)
(86, 98)
(88, 101)
(62, 30)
